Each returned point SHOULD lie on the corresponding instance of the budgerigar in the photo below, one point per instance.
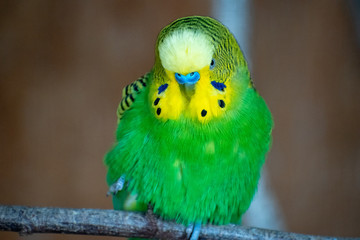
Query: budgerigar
(193, 133)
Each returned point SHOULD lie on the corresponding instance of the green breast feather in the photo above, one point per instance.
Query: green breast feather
(192, 170)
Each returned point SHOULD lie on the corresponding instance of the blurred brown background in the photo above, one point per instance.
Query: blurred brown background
(63, 65)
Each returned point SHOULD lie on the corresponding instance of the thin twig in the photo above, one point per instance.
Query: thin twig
(27, 220)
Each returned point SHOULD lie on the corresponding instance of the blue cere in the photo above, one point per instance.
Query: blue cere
(162, 88)
(190, 78)
(218, 85)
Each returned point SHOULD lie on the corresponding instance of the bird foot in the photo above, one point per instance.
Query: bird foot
(193, 231)
(117, 186)
(150, 212)
(150, 215)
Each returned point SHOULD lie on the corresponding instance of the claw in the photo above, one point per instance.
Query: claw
(117, 186)
(193, 231)
(150, 215)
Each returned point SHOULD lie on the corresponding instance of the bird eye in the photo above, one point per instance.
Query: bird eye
(212, 64)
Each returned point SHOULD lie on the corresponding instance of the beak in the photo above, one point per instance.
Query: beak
(187, 83)
(188, 79)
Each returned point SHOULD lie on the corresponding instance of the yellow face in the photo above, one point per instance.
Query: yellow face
(185, 52)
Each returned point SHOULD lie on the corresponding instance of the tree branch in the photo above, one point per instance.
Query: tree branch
(27, 220)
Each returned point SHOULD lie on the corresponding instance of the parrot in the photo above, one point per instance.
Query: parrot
(193, 133)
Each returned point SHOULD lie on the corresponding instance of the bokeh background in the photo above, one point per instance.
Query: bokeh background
(63, 65)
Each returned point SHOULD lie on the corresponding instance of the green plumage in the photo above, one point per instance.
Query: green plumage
(192, 171)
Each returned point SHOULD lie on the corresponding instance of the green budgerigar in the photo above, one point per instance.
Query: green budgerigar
(192, 133)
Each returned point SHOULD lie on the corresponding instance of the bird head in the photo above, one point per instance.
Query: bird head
(196, 58)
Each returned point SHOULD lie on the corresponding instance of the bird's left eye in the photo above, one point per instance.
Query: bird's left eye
(212, 64)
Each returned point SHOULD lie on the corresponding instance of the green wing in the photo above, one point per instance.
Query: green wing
(129, 94)
(124, 200)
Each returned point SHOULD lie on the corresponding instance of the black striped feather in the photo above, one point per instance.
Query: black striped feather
(129, 94)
